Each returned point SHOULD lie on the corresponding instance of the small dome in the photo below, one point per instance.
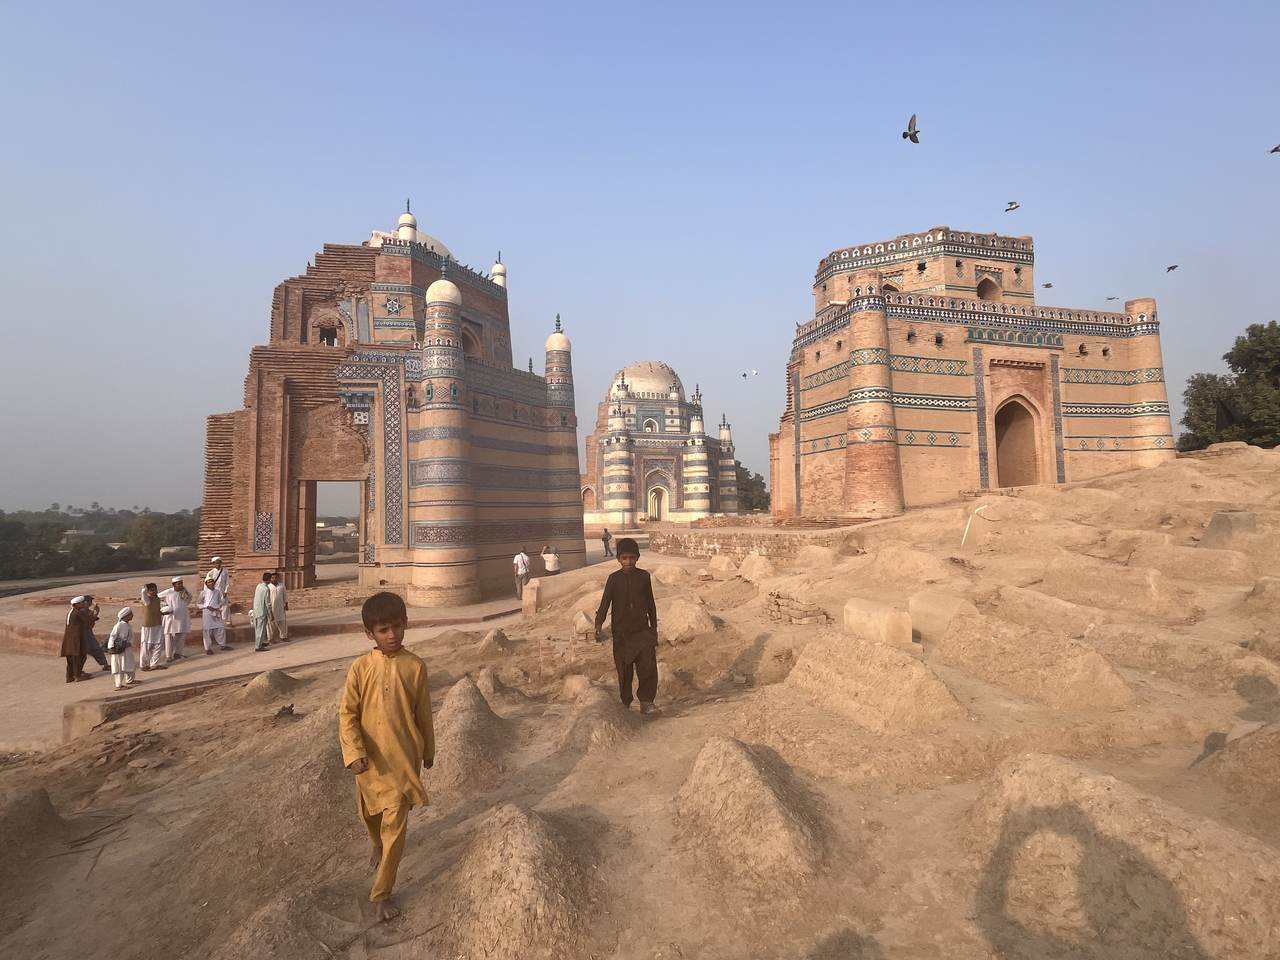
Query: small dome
(444, 291)
(499, 269)
(407, 219)
(648, 376)
(558, 341)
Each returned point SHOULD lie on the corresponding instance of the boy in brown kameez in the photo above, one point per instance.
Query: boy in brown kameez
(384, 722)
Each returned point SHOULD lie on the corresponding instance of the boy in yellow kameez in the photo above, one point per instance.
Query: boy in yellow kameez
(384, 722)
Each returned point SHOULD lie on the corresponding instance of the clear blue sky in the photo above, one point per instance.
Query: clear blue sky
(666, 178)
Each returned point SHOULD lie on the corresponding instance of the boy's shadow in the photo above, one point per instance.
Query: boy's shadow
(1133, 911)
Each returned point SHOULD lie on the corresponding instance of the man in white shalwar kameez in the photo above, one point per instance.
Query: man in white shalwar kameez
(222, 583)
(175, 608)
(210, 605)
(279, 610)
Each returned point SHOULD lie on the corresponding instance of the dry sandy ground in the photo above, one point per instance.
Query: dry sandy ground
(1076, 756)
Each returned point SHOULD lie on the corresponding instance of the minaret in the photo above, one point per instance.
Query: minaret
(559, 371)
(442, 500)
(728, 473)
(872, 473)
(1146, 358)
(499, 272)
(407, 229)
(697, 472)
(619, 502)
(565, 522)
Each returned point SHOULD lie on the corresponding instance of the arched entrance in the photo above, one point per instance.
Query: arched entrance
(657, 503)
(988, 289)
(588, 499)
(1016, 464)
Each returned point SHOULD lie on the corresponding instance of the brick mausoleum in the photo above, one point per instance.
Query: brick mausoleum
(929, 370)
(649, 457)
(388, 363)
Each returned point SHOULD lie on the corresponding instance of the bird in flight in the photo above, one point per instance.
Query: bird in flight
(1275, 149)
(1046, 285)
(911, 133)
(1113, 298)
(1013, 205)
(1172, 267)
(752, 373)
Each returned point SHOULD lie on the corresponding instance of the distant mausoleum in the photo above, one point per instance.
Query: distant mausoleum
(389, 363)
(650, 458)
(929, 370)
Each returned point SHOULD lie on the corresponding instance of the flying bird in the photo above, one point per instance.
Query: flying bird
(1046, 285)
(911, 133)
(1113, 298)
(1275, 149)
(752, 373)
(1013, 205)
(1172, 267)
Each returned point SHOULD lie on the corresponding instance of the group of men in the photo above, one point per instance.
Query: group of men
(164, 622)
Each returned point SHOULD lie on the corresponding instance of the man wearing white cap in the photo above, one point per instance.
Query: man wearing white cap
(120, 649)
(210, 603)
(175, 605)
(222, 583)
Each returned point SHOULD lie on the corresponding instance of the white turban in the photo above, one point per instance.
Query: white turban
(215, 559)
(176, 580)
(124, 612)
(75, 600)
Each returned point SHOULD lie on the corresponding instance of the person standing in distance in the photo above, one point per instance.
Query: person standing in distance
(604, 540)
(629, 594)
(175, 611)
(520, 567)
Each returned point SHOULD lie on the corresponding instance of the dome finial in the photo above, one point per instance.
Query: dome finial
(406, 205)
(558, 330)
(531, 364)
(499, 256)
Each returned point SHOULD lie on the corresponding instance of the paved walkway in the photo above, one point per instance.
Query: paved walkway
(33, 690)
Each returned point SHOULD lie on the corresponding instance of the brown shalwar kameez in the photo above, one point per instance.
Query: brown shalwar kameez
(385, 717)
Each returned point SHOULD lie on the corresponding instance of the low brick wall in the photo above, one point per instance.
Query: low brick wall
(737, 543)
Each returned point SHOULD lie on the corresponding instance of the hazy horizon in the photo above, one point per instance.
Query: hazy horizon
(666, 178)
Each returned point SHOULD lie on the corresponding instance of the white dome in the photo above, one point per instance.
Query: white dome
(499, 269)
(648, 376)
(431, 243)
(558, 341)
(407, 219)
(444, 291)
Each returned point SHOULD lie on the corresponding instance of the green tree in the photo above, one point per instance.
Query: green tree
(1241, 405)
(753, 492)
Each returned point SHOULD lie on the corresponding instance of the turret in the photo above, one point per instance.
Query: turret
(872, 473)
(696, 465)
(407, 228)
(1152, 423)
(442, 501)
(498, 272)
(559, 372)
(618, 477)
(727, 479)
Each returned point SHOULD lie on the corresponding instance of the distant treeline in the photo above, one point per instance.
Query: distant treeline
(74, 540)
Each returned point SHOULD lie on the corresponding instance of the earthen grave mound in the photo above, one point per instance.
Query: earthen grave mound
(269, 686)
(1069, 856)
(519, 892)
(742, 808)
(470, 742)
(597, 719)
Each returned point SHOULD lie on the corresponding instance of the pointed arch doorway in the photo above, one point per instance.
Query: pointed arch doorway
(657, 503)
(1016, 460)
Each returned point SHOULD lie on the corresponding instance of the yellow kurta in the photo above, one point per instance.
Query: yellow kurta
(385, 716)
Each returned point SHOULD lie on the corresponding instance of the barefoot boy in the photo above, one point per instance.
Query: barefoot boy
(384, 723)
(635, 626)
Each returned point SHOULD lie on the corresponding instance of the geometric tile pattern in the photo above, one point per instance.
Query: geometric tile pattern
(1057, 420)
(903, 363)
(1113, 377)
(839, 371)
(980, 399)
(1144, 408)
(869, 356)
(384, 366)
(931, 401)
(264, 526)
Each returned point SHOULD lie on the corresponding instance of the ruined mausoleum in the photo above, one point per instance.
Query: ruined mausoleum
(389, 363)
(930, 369)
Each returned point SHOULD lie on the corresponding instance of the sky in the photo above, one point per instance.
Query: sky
(666, 176)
